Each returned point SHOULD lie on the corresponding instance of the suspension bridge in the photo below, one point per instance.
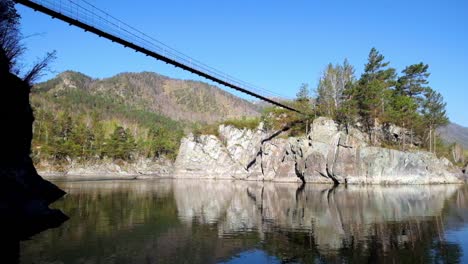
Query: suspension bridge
(88, 17)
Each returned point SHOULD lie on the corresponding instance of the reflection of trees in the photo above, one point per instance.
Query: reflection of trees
(208, 221)
(127, 222)
(387, 244)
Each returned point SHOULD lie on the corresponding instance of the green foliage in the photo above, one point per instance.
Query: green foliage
(276, 118)
(164, 142)
(401, 110)
(413, 82)
(120, 145)
(434, 115)
(212, 129)
(304, 93)
(74, 124)
(433, 108)
(379, 97)
(249, 123)
(205, 129)
(372, 93)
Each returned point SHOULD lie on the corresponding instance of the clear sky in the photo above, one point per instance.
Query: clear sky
(274, 44)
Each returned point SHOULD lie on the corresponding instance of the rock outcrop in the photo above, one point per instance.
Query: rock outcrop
(326, 155)
(24, 195)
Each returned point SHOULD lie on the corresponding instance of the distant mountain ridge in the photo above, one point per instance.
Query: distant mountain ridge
(184, 100)
(454, 133)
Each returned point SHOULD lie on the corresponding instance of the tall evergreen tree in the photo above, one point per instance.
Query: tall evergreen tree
(121, 144)
(414, 81)
(402, 111)
(372, 92)
(304, 93)
(303, 99)
(434, 115)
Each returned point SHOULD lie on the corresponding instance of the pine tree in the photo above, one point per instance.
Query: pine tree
(348, 111)
(121, 144)
(414, 81)
(303, 99)
(402, 111)
(303, 94)
(372, 92)
(434, 115)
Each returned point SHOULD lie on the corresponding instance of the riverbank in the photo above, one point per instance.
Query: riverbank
(325, 155)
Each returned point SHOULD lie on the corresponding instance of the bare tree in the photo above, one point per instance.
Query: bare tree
(332, 85)
(11, 48)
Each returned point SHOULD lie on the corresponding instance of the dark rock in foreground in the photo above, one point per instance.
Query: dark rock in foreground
(24, 195)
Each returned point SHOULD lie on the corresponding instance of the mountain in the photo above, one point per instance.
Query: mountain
(454, 133)
(183, 100)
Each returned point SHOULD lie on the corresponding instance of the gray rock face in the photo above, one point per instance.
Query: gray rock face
(206, 157)
(326, 155)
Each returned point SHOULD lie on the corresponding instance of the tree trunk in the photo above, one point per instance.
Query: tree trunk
(404, 138)
(411, 135)
(430, 140)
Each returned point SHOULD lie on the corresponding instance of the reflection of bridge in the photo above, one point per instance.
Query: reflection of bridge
(86, 16)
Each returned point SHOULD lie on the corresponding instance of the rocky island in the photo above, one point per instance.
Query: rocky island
(325, 155)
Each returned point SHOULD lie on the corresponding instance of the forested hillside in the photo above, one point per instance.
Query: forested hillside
(74, 124)
(182, 100)
(128, 116)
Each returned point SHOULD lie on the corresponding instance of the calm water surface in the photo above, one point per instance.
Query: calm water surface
(188, 221)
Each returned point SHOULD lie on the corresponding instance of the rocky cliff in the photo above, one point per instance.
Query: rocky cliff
(325, 155)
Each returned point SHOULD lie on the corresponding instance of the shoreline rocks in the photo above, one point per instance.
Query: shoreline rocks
(106, 169)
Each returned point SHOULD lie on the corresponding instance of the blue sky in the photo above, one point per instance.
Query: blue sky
(274, 44)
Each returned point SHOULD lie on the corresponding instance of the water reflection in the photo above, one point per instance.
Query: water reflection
(189, 221)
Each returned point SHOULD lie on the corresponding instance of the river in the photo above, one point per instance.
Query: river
(208, 221)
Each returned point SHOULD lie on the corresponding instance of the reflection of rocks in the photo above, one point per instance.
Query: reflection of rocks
(172, 221)
(205, 201)
(327, 155)
(333, 215)
(135, 189)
